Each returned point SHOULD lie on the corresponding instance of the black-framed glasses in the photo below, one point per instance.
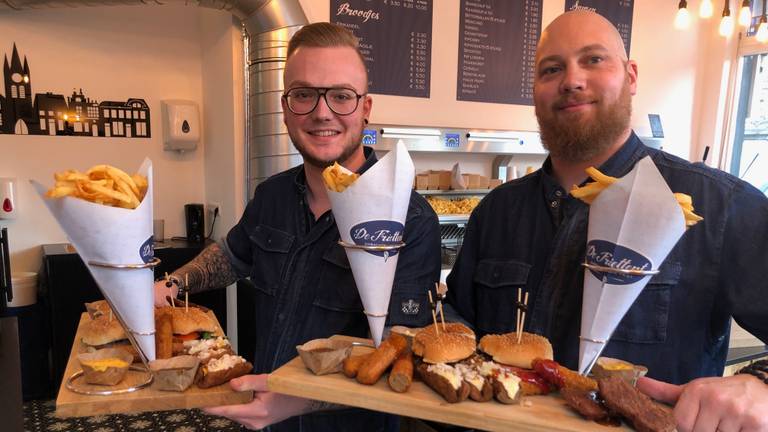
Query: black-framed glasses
(303, 100)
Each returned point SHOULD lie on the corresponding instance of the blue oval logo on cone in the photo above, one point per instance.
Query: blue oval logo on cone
(147, 250)
(607, 254)
(378, 233)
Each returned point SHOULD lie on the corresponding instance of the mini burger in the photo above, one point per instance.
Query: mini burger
(510, 357)
(105, 332)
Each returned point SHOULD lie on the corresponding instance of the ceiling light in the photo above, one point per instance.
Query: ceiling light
(745, 14)
(726, 23)
(683, 17)
(706, 9)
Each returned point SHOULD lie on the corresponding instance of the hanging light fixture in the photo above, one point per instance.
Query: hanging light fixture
(726, 23)
(706, 9)
(762, 28)
(683, 17)
(745, 14)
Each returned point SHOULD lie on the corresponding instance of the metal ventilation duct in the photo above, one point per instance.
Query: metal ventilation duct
(269, 25)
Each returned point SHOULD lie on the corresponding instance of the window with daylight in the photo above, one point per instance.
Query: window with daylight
(749, 148)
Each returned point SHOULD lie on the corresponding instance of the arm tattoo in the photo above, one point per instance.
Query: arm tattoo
(316, 405)
(209, 270)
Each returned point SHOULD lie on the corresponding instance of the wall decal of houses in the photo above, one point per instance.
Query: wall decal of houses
(53, 114)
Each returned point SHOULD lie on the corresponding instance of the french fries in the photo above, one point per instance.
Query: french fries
(336, 179)
(453, 206)
(590, 191)
(102, 184)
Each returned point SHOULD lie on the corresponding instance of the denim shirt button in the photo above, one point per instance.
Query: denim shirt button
(281, 316)
(558, 193)
(553, 204)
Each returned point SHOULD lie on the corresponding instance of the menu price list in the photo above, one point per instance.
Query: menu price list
(619, 12)
(497, 50)
(395, 41)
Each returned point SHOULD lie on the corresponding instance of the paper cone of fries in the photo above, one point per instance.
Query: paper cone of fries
(108, 237)
(633, 225)
(369, 213)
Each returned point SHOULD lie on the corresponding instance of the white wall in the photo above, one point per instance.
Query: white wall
(113, 53)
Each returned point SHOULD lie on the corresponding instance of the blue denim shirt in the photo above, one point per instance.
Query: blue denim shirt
(530, 233)
(305, 288)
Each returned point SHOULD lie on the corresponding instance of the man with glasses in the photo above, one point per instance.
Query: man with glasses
(286, 241)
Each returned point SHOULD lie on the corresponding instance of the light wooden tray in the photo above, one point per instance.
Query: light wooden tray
(71, 404)
(545, 413)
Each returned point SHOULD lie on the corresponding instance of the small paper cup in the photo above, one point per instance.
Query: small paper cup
(324, 356)
(175, 373)
(629, 372)
(95, 371)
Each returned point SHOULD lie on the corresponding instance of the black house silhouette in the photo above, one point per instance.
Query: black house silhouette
(53, 114)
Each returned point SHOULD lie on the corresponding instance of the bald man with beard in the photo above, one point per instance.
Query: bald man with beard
(530, 234)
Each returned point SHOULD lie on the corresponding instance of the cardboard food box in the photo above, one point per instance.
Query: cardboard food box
(422, 181)
(492, 183)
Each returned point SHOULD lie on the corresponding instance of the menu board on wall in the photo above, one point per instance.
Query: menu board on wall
(497, 49)
(619, 12)
(395, 40)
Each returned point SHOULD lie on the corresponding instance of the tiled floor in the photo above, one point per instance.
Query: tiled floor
(38, 417)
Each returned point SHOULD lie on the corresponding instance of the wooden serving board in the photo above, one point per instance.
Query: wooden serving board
(536, 413)
(71, 404)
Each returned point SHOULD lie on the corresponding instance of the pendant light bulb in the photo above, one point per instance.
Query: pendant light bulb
(706, 9)
(762, 30)
(726, 23)
(745, 14)
(683, 17)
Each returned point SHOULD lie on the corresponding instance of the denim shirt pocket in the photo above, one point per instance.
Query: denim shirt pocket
(270, 252)
(409, 306)
(647, 318)
(497, 282)
(336, 289)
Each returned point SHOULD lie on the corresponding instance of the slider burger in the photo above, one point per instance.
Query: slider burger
(103, 332)
(440, 349)
(506, 351)
(194, 333)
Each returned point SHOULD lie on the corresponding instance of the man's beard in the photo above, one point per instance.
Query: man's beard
(349, 149)
(579, 141)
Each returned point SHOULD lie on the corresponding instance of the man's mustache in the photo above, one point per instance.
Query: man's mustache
(567, 101)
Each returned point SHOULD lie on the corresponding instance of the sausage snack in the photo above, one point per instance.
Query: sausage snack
(401, 375)
(380, 360)
(352, 364)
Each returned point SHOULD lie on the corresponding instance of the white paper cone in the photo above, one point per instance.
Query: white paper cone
(115, 235)
(633, 224)
(372, 211)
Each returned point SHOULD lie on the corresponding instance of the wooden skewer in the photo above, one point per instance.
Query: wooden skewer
(110, 315)
(517, 323)
(186, 293)
(434, 316)
(522, 321)
(440, 304)
(167, 279)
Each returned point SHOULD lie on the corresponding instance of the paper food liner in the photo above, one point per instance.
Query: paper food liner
(115, 235)
(457, 180)
(175, 373)
(633, 224)
(372, 211)
(324, 356)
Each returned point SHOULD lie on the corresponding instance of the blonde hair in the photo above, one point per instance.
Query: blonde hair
(325, 35)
